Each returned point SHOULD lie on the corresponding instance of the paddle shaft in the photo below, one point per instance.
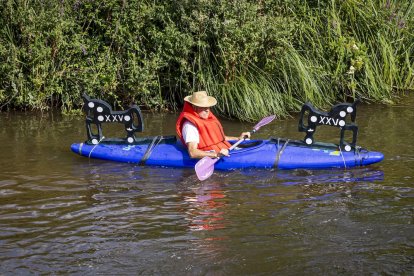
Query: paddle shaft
(232, 147)
(205, 167)
(262, 122)
(240, 141)
(236, 144)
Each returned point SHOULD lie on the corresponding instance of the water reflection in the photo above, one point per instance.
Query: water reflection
(206, 207)
(65, 214)
(308, 177)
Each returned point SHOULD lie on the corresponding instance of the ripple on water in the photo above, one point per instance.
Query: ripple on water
(8, 192)
(7, 182)
(80, 216)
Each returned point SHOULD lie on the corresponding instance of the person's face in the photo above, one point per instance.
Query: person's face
(203, 112)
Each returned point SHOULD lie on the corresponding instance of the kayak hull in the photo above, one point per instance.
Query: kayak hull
(261, 154)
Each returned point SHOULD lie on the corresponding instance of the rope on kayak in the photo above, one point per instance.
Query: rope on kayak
(280, 151)
(358, 150)
(343, 159)
(80, 148)
(103, 137)
(151, 147)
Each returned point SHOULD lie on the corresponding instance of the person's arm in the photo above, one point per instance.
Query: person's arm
(194, 152)
(191, 137)
(238, 138)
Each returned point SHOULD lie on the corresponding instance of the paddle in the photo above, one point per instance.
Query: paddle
(205, 167)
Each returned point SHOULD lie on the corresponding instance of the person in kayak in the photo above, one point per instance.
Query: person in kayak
(200, 130)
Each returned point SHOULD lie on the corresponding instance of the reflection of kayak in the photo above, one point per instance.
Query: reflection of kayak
(272, 153)
(310, 177)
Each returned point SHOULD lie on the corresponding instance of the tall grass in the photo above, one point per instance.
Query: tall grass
(338, 51)
(256, 57)
(239, 97)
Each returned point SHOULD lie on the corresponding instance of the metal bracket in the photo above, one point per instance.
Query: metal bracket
(99, 111)
(336, 117)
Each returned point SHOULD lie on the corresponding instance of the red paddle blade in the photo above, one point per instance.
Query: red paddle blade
(264, 122)
(205, 167)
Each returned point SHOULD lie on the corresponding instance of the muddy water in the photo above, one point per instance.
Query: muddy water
(62, 213)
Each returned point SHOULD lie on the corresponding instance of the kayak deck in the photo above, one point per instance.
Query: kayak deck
(272, 153)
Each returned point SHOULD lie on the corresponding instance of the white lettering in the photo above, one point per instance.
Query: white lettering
(322, 120)
(113, 118)
(328, 122)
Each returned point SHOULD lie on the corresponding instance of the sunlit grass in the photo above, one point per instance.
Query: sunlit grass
(341, 52)
(257, 57)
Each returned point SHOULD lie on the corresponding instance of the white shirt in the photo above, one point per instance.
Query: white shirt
(190, 133)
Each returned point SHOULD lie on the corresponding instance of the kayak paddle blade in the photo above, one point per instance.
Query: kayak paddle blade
(264, 122)
(205, 167)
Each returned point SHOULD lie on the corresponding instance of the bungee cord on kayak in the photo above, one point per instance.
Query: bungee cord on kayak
(100, 140)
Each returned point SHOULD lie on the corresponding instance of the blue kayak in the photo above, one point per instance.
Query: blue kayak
(278, 153)
(168, 151)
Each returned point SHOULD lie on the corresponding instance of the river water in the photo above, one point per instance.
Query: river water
(61, 213)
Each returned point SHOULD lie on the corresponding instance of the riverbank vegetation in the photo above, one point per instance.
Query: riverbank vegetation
(256, 57)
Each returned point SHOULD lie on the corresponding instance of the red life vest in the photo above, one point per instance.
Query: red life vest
(210, 130)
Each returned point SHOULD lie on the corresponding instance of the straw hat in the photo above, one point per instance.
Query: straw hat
(201, 99)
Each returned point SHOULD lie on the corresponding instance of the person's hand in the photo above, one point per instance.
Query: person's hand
(223, 152)
(244, 134)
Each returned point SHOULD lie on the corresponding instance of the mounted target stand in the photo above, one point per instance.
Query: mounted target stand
(336, 117)
(98, 112)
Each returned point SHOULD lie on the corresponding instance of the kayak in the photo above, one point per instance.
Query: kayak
(279, 153)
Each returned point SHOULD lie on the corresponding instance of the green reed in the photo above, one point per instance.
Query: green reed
(339, 52)
(256, 57)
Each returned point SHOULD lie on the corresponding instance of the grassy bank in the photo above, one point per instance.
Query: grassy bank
(256, 57)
